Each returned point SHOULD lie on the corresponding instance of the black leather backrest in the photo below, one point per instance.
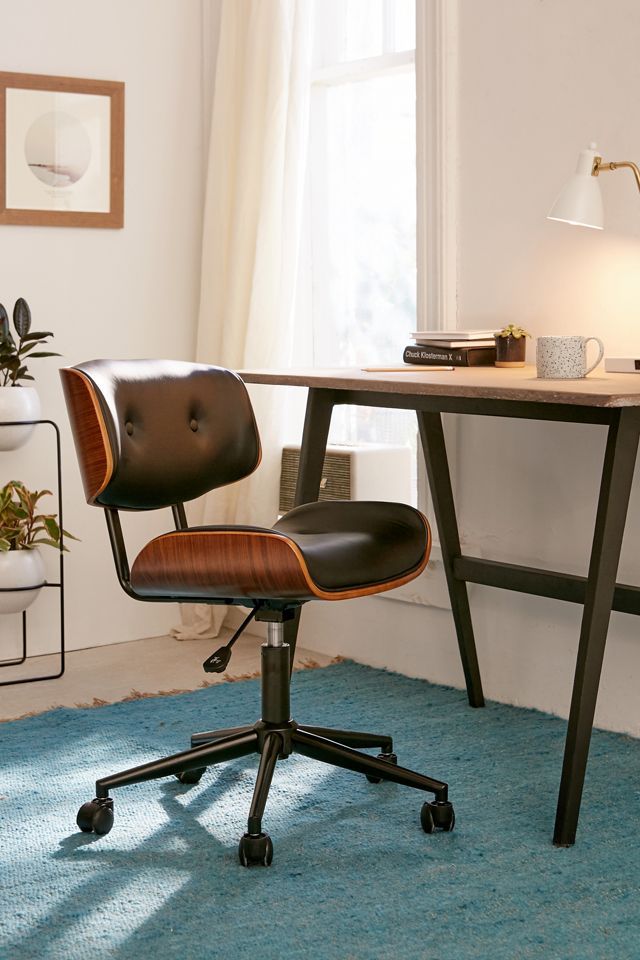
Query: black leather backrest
(175, 430)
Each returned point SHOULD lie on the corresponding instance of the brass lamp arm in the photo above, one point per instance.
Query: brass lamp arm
(599, 164)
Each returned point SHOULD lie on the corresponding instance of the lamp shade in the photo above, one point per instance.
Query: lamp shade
(580, 200)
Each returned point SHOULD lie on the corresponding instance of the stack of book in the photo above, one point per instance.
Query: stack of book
(455, 348)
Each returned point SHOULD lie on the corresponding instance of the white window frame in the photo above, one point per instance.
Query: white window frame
(437, 162)
(436, 58)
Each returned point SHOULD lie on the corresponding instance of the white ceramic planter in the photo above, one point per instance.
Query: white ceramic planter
(20, 568)
(17, 403)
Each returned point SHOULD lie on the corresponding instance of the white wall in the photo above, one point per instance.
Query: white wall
(121, 293)
(538, 80)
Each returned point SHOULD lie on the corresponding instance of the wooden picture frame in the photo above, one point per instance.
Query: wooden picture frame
(61, 151)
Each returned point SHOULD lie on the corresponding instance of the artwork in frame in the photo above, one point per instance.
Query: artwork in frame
(61, 151)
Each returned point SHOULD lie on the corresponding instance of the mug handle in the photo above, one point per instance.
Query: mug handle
(600, 353)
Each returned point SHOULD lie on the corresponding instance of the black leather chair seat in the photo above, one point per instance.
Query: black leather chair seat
(348, 543)
(316, 549)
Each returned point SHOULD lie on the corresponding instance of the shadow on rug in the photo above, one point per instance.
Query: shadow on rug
(354, 877)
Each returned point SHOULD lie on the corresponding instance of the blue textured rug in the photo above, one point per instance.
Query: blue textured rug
(354, 877)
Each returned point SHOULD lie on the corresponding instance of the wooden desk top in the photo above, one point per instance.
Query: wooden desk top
(599, 389)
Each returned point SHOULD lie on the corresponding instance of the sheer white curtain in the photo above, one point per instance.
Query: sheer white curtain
(251, 235)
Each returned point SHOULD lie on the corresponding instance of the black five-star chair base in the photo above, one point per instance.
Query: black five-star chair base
(275, 737)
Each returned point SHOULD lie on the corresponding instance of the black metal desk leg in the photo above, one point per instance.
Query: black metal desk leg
(615, 487)
(435, 456)
(317, 420)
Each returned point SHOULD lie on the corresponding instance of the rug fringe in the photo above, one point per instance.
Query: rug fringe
(306, 664)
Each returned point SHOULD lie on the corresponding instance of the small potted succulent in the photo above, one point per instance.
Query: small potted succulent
(18, 402)
(22, 530)
(511, 346)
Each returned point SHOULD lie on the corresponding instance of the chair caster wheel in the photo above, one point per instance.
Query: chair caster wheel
(255, 850)
(390, 758)
(191, 776)
(96, 816)
(438, 815)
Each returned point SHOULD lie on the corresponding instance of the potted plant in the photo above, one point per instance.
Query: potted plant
(511, 346)
(22, 530)
(18, 402)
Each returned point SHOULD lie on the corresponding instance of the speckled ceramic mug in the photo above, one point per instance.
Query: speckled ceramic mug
(565, 358)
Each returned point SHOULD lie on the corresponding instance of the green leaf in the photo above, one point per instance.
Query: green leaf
(37, 335)
(513, 330)
(46, 541)
(27, 347)
(52, 528)
(4, 321)
(4, 545)
(22, 317)
(43, 353)
(24, 497)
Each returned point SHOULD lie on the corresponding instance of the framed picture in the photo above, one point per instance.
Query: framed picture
(61, 151)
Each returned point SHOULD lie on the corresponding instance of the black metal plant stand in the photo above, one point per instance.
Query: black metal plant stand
(53, 586)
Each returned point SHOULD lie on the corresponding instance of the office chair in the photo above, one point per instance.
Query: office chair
(152, 434)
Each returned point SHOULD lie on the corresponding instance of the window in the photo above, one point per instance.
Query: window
(361, 264)
(381, 182)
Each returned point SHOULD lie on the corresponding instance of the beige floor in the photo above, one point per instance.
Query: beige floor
(115, 672)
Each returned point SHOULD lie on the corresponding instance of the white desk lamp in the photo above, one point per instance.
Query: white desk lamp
(580, 203)
(580, 200)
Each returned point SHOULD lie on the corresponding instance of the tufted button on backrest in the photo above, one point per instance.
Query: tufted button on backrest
(174, 430)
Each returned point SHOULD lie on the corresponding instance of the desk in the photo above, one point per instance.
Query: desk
(611, 399)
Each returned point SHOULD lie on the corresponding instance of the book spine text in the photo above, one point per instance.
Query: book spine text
(465, 357)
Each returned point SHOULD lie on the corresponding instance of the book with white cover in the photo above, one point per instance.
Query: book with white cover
(622, 364)
(452, 344)
(432, 335)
